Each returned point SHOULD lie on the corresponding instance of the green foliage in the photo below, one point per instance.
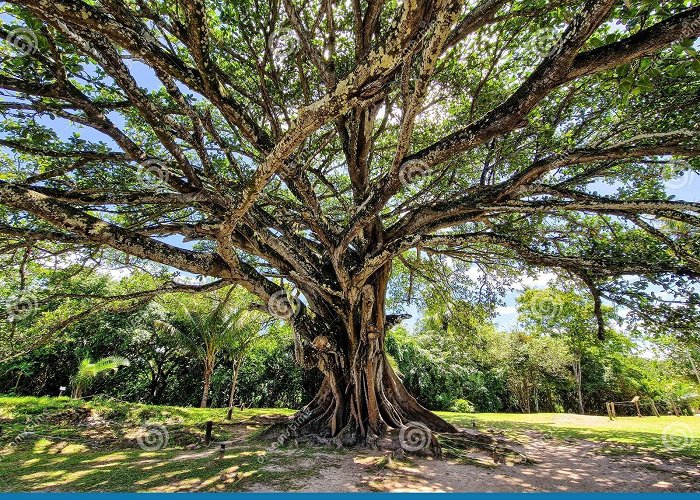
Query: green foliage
(453, 353)
(462, 406)
(88, 371)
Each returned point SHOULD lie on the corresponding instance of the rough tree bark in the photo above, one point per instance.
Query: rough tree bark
(207, 383)
(283, 220)
(579, 383)
(361, 396)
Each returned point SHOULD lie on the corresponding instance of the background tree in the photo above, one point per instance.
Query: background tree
(568, 316)
(316, 144)
(218, 327)
(160, 350)
(247, 328)
(531, 361)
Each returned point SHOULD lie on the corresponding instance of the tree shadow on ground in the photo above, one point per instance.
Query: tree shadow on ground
(52, 466)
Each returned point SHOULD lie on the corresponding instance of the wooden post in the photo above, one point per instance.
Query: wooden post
(207, 436)
(607, 407)
(655, 409)
(612, 406)
(675, 408)
(635, 401)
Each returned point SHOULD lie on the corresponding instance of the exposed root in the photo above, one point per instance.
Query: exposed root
(500, 449)
(463, 444)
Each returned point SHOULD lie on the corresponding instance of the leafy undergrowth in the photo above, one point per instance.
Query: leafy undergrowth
(60, 444)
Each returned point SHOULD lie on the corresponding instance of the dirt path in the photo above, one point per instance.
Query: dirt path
(563, 466)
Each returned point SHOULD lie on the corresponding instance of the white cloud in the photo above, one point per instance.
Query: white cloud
(506, 311)
(540, 280)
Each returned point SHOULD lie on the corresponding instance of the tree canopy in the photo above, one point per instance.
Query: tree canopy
(318, 143)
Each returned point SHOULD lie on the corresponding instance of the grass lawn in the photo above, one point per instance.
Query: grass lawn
(86, 446)
(625, 434)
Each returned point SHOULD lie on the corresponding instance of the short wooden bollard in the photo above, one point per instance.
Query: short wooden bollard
(635, 402)
(675, 408)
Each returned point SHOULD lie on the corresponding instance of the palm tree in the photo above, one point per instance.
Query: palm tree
(88, 372)
(228, 328)
(248, 328)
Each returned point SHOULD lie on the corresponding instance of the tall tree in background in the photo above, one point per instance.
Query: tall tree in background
(218, 327)
(313, 144)
(566, 315)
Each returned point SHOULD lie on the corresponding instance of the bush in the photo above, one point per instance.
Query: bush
(462, 406)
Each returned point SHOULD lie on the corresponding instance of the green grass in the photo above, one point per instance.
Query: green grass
(91, 446)
(66, 454)
(21, 407)
(623, 435)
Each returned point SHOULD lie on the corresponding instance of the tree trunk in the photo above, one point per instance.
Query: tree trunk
(527, 396)
(579, 388)
(360, 397)
(694, 366)
(536, 397)
(234, 380)
(207, 382)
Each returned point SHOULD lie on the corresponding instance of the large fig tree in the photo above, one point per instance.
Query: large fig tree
(306, 146)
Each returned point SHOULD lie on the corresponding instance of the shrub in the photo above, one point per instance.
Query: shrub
(462, 406)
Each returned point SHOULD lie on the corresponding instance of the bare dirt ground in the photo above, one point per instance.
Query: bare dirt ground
(561, 466)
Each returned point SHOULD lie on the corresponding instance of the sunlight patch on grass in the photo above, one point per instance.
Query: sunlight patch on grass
(646, 434)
